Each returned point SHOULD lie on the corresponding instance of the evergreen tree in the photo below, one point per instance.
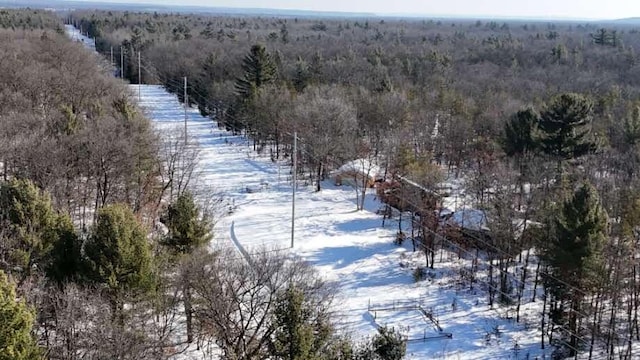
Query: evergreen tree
(519, 143)
(187, 229)
(118, 254)
(388, 344)
(259, 69)
(614, 39)
(187, 232)
(302, 76)
(28, 226)
(574, 255)
(284, 33)
(300, 333)
(16, 321)
(519, 138)
(565, 127)
(316, 68)
(602, 37)
(631, 127)
(36, 235)
(64, 261)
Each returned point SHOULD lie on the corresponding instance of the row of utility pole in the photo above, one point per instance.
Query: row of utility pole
(186, 104)
(186, 99)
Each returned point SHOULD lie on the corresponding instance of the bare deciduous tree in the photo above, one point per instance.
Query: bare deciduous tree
(237, 298)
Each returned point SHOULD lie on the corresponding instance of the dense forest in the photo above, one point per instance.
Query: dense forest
(541, 120)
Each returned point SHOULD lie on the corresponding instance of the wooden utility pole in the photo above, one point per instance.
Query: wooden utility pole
(295, 176)
(121, 62)
(139, 79)
(186, 103)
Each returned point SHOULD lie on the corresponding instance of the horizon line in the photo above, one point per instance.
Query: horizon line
(341, 12)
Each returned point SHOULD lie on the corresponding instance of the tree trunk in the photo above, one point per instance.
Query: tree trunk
(636, 302)
(491, 282)
(188, 311)
(594, 325)
(505, 282)
(277, 138)
(573, 323)
(535, 282)
(544, 311)
(521, 287)
(319, 177)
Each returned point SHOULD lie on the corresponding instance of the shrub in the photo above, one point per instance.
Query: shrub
(400, 237)
(419, 274)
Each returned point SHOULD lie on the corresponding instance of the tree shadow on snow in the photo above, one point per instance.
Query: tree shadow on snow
(359, 225)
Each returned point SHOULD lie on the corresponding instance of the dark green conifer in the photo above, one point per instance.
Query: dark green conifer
(565, 127)
(28, 223)
(574, 256)
(118, 254)
(259, 69)
(16, 321)
(187, 229)
(65, 261)
(294, 335)
(389, 344)
(519, 137)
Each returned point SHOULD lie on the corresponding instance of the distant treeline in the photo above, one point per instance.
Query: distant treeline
(27, 19)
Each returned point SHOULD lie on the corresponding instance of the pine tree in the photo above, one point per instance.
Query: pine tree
(16, 321)
(293, 334)
(316, 68)
(564, 127)
(284, 33)
(28, 222)
(259, 69)
(300, 331)
(64, 261)
(37, 235)
(600, 37)
(631, 127)
(389, 344)
(519, 142)
(188, 231)
(118, 254)
(302, 76)
(574, 255)
(519, 138)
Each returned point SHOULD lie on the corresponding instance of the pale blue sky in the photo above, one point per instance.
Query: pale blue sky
(580, 9)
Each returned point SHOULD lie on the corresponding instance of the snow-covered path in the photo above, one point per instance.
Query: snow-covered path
(75, 35)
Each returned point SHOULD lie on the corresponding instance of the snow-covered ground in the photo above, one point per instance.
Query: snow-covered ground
(75, 35)
(349, 247)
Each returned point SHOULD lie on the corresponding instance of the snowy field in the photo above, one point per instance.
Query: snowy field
(347, 246)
